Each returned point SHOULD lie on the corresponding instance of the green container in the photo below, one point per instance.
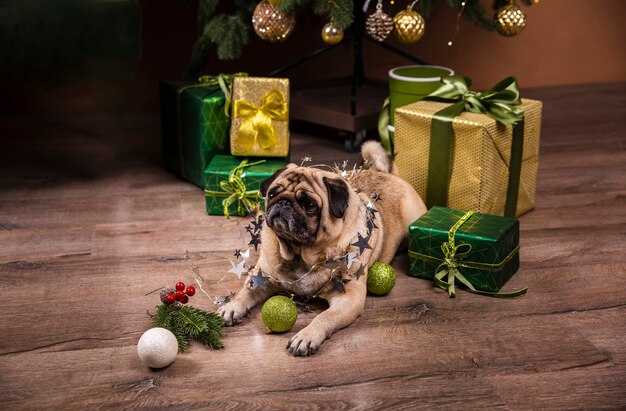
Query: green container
(493, 240)
(194, 128)
(252, 177)
(408, 84)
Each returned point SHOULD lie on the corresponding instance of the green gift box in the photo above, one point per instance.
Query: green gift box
(195, 126)
(233, 183)
(478, 250)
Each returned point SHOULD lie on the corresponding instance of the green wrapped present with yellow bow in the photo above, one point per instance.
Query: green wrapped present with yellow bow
(233, 183)
(477, 251)
(195, 124)
(260, 117)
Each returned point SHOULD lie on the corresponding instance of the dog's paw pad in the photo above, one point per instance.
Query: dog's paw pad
(232, 313)
(306, 342)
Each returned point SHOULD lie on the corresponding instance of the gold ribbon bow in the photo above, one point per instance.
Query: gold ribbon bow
(256, 122)
(234, 189)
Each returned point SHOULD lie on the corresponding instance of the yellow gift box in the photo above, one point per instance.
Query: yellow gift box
(480, 156)
(260, 117)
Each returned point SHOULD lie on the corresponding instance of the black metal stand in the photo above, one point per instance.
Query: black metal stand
(353, 140)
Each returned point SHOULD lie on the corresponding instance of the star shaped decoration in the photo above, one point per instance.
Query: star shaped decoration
(351, 258)
(237, 253)
(338, 284)
(360, 271)
(238, 268)
(371, 225)
(258, 280)
(255, 241)
(362, 243)
(370, 207)
(246, 255)
(257, 225)
(376, 197)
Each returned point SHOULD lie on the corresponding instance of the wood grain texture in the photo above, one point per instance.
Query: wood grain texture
(90, 224)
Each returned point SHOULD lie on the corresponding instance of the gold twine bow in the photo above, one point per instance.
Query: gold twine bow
(256, 121)
(448, 270)
(234, 189)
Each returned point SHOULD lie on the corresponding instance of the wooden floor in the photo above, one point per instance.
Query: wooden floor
(90, 223)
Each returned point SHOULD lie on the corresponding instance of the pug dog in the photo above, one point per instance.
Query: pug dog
(313, 220)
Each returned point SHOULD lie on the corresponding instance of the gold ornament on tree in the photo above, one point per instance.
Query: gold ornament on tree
(409, 24)
(270, 24)
(331, 34)
(379, 24)
(510, 20)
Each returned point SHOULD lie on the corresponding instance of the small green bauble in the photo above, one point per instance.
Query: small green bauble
(279, 314)
(381, 278)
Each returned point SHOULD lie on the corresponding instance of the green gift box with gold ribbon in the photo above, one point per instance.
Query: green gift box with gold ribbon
(479, 251)
(233, 183)
(195, 124)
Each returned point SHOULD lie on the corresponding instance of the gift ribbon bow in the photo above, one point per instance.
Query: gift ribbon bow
(234, 189)
(454, 258)
(256, 121)
(497, 102)
(224, 81)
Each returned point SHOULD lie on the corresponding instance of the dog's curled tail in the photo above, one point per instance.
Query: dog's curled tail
(377, 158)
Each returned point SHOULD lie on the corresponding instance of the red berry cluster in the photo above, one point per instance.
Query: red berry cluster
(181, 295)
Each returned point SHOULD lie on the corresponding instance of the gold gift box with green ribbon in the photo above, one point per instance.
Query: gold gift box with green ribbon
(470, 150)
(260, 117)
(233, 183)
(475, 250)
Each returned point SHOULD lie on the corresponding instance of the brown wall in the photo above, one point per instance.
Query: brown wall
(565, 42)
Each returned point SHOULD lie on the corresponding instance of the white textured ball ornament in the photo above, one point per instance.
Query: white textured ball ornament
(157, 347)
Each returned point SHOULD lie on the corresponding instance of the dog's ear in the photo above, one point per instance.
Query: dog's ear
(338, 195)
(265, 185)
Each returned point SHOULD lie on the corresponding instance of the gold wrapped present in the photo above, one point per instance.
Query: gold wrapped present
(260, 120)
(486, 165)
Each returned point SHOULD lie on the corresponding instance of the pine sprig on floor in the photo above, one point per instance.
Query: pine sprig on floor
(189, 322)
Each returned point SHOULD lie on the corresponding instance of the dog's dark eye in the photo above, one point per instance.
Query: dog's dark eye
(309, 206)
(271, 194)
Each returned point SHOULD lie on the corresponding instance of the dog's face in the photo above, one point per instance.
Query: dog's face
(304, 205)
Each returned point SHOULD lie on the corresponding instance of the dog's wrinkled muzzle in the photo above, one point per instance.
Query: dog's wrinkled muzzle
(281, 216)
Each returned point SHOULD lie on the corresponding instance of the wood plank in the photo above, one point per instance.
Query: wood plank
(90, 223)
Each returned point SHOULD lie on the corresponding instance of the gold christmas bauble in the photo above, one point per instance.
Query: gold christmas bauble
(331, 34)
(379, 24)
(270, 24)
(409, 25)
(510, 20)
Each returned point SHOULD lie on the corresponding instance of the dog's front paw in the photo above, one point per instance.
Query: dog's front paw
(306, 342)
(233, 312)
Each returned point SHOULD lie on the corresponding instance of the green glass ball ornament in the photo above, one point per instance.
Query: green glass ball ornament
(381, 278)
(279, 314)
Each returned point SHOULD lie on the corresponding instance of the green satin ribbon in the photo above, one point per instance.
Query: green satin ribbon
(383, 127)
(497, 102)
(234, 189)
(454, 258)
(256, 121)
(224, 81)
